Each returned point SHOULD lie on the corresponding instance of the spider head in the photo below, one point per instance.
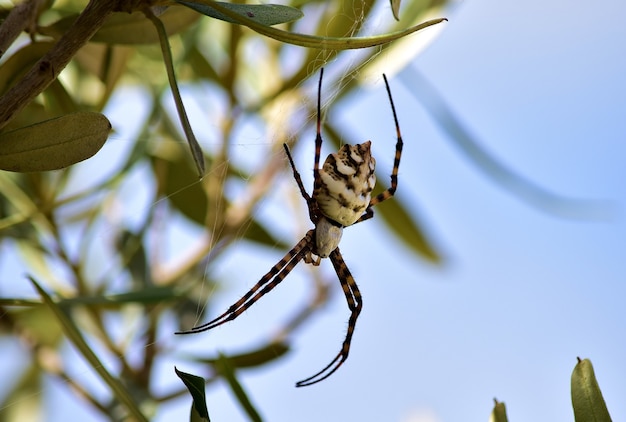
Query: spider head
(346, 182)
(327, 237)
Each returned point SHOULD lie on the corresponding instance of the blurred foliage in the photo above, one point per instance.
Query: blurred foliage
(103, 284)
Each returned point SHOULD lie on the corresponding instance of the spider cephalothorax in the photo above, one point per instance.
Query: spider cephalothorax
(341, 197)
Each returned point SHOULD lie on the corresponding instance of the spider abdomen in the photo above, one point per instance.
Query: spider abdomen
(346, 182)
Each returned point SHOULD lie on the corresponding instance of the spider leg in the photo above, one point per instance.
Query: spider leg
(263, 286)
(389, 192)
(296, 175)
(317, 182)
(355, 303)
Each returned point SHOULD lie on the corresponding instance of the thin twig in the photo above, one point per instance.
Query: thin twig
(20, 18)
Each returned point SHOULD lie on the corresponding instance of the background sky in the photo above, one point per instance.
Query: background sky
(523, 292)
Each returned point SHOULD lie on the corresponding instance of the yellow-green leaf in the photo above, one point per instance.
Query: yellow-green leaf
(498, 414)
(587, 400)
(265, 14)
(54, 144)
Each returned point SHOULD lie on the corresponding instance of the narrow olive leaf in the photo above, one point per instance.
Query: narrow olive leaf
(129, 28)
(498, 414)
(311, 41)
(54, 144)
(195, 385)
(395, 8)
(226, 370)
(587, 400)
(265, 14)
(515, 183)
(254, 358)
(196, 151)
(406, 227)
(76, 338)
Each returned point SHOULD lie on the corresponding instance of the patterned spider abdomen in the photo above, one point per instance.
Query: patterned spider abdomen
(346, 182)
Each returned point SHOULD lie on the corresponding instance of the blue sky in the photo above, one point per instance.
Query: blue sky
(523, 292)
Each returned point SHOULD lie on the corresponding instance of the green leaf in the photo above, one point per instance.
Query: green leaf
(252, 359)
(406, 227)
(265, 14)
(194, 146)
(498, 414)
(54, 144)
(395, 8)
(587, 400)
(227, 371)
(195, 385)
(311, 41)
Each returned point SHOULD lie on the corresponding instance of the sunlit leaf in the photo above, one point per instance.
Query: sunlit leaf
(498, 414)
(195, 385)
(25, 398)
(587, 400)
(265, 14)
(55, 143)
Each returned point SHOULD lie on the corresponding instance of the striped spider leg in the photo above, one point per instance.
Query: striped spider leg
(341, 197)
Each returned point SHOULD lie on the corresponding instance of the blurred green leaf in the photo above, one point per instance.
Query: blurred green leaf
(195, 385)
(76, 338)
(265, 14)
(498, 414)
(19, 62)
(530, 192)
(227, 371)
(252, 359)
(587, 400)
(54, 144)
(405, 226)
(25, 398)
(129, 28)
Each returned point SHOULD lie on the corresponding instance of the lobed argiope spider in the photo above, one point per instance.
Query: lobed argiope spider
(341, 197)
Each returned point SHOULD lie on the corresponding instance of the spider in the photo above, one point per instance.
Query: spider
(341, 197)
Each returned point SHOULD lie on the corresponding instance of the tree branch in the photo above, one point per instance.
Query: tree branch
(54, 61)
